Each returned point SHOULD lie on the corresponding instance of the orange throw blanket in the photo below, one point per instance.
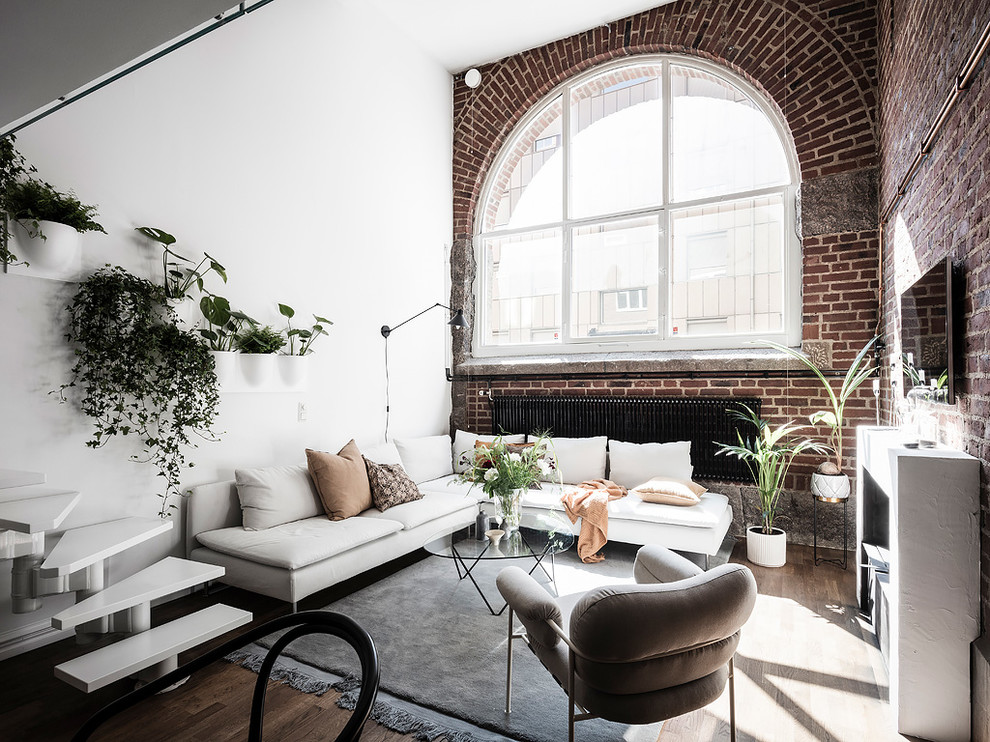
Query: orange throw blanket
(590, 503)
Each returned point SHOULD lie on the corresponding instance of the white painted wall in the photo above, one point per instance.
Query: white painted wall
(307, 147)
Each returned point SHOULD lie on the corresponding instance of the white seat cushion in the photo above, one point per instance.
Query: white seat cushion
(450, 485)
(433, 505)
(294, 545)
(706, 514)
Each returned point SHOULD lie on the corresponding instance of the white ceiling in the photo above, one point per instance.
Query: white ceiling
(49, 48)
(465, 33)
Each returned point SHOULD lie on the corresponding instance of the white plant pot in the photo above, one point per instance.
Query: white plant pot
(224, 363)
(183, 309)
(293, 370)
(57, 252)
(257, 368)
(766, 549)
(830, 486)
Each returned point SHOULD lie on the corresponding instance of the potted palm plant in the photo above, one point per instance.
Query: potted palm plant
(768, 455)
(830, 481)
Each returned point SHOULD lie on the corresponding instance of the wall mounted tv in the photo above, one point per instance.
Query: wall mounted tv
(928, 322)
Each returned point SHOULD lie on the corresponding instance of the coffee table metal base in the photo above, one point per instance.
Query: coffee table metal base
(465, 566)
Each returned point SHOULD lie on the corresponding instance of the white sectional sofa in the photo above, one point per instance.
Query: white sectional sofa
(295, 550)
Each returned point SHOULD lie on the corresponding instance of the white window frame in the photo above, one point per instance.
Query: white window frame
(792, 250)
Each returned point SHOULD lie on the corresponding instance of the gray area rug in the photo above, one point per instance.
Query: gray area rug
(440, 649)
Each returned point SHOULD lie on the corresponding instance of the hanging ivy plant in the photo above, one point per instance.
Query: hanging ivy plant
(140, 374)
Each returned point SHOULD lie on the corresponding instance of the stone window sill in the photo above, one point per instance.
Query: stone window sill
(694, 363)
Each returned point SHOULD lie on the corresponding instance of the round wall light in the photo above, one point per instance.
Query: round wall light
(472, 78)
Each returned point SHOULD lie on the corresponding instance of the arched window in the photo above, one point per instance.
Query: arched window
(648, 204)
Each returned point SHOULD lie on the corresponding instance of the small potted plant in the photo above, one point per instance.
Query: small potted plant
(505, 471)
(179, 276)
(258, 345)
(768, 455)
(46, 223)
(292, 364)
(223, 324)
(830, 481)
(13, 167)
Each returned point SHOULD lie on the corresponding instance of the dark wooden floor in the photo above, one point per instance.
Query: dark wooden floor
(806, 670)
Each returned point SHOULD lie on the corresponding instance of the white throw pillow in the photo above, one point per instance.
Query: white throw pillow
(631, 464)
(464, 442)
(425, 458)
(275, 495)
(382, 453)
(579, 459)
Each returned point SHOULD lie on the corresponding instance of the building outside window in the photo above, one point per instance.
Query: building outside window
(646, 204)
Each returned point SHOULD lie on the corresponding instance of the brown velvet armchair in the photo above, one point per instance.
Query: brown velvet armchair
(636, 654)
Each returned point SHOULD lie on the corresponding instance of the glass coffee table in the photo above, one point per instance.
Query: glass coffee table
(540, 535)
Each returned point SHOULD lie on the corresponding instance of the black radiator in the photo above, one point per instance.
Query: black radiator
(704, 421)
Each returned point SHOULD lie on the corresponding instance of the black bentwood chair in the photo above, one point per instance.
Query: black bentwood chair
(304, 623)
(636, 654)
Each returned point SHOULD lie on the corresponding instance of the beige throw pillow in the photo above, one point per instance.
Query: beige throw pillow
(670, 491)
(342, 481)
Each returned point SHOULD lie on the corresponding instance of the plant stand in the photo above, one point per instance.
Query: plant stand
(815, 499)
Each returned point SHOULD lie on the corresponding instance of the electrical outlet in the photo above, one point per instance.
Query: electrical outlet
(302, 414)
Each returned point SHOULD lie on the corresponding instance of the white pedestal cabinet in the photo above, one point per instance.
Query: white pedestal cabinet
(919, 510)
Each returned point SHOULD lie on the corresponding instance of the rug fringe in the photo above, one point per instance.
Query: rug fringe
(389, 716)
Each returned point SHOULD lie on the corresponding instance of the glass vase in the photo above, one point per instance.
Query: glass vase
(508, 507)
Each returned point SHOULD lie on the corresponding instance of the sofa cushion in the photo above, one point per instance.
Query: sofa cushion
(390, 485)
(433, 505)
(294, 545)
(451, 485)
(706, 514)
(578, 459)
(341, 480)
(275, 495)
(425, 458)
(382, 453)
(631, 464)
(669, 491)
(464, 444)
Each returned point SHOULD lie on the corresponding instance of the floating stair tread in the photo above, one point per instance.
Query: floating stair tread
(163, 578)
(17, 478)
(14, 544)
(81, 547)
(135, 653)
(43, 509)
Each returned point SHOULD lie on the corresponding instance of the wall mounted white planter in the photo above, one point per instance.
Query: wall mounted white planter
(225, 365)
(184, 309)
(766, 549)
(257, 368)
(57, 257)
(293, 370)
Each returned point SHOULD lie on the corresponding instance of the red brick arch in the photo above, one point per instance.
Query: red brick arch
(809, 65)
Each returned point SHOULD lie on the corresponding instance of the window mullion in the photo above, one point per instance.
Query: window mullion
(565, 262)
(664, 236)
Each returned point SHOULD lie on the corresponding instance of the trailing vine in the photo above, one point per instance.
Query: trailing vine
(141, 375)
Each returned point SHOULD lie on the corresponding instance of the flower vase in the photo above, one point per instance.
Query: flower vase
(508, 507)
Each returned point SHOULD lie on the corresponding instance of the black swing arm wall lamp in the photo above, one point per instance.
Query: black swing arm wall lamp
(456, 321)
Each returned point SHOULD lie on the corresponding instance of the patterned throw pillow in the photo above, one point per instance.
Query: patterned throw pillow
(390, 485)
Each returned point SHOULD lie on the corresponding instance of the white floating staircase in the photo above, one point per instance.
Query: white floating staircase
(28, 509)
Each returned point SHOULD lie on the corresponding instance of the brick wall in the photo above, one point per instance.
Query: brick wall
(816, 63)
(945, 212)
